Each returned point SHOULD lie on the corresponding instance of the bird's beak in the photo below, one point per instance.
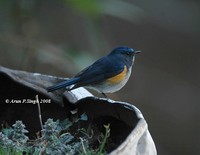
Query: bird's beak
(136, 52)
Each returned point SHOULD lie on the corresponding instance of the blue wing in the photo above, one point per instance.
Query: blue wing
(63, 84)
(102, 69)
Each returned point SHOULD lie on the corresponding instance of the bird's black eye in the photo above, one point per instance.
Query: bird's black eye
(128, 53)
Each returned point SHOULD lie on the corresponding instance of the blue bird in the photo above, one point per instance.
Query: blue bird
(107, 75)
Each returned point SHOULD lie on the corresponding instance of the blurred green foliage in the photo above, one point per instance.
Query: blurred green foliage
(22, 32)
(70, 34)
(89, 7)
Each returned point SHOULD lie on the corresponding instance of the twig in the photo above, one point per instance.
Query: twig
(107, 134)
(39, 111)
(83, 145)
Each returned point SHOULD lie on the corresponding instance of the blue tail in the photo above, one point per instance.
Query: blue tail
(63, 84)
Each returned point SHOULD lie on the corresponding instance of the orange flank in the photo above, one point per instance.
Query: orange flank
(118, 78)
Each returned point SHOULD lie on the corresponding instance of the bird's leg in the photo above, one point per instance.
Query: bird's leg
(68, 89)
(104, 95)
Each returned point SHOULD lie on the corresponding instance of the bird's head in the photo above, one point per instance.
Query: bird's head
(124, 50)
(127, 53)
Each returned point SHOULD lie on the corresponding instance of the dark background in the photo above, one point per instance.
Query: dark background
(62, 37)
